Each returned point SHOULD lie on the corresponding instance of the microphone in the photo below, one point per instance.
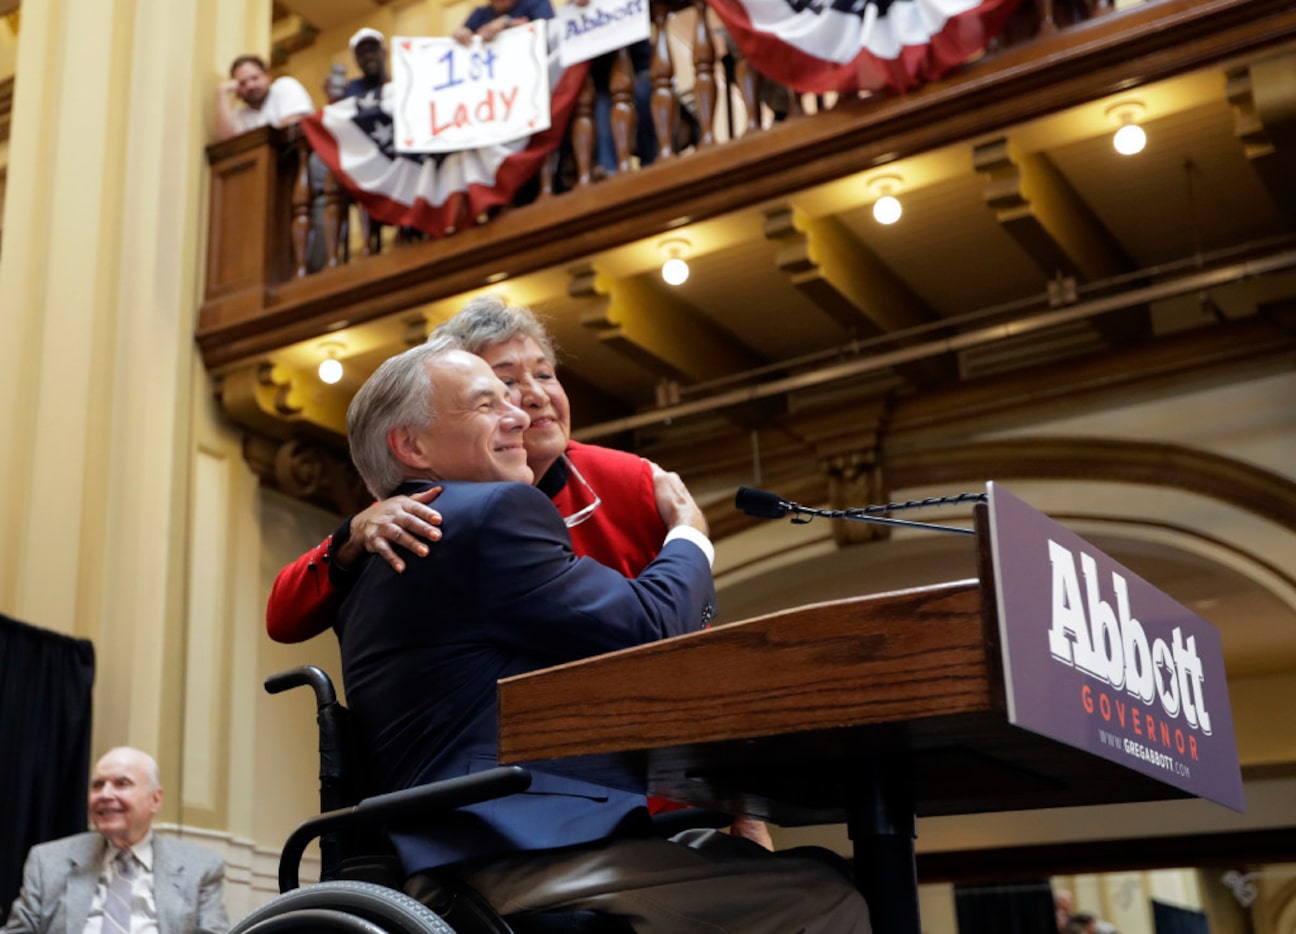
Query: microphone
(761, 503)
(766, 505)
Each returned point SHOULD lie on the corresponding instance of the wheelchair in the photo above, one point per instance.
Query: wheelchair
(359, 891)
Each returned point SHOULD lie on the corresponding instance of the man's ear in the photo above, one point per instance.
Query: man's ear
(407, 447)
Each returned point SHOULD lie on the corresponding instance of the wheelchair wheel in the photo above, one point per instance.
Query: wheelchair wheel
(315, 919)
(347, 907)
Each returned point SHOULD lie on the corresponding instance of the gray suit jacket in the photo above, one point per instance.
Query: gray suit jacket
(59, 883)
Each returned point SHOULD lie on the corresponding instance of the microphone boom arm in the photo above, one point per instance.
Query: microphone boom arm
(858, 516)
(765, 505)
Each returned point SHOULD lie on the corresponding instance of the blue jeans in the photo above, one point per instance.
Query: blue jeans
(645, 133)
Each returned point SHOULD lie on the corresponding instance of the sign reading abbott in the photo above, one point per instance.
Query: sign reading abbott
(600, 26)
(1098, 658)
(447, 97)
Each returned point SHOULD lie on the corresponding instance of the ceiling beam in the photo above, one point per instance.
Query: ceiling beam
(827, 264)
(655, 328)
(1263, 96)
(1047, 218)
(1040, 210)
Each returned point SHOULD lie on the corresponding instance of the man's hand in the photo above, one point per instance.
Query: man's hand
(494, 28)
(401, 520)
(675, 503)
(463, 35)
(226, 125)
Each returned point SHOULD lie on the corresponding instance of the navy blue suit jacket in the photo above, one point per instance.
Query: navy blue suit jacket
(500, 594)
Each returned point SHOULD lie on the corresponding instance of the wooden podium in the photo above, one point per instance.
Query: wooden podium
(866, 711)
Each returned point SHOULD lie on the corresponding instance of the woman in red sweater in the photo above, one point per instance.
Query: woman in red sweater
(605, 496)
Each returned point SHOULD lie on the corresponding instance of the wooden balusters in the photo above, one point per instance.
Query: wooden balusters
(582, 131)
(334, 206)
(301, 207)
(748, 86)
(624, 118)
(1047, 24)
(548, 169)
(663, 103)
(704, 82)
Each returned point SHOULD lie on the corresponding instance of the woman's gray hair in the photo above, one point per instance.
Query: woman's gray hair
(489, 320)
(397, 395)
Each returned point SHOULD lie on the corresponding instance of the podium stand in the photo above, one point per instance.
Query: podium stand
(866, 711)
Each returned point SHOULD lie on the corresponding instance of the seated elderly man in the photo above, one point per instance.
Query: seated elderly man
(501, 594)
(121, 878)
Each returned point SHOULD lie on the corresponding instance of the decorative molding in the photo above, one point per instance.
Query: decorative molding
(1247, 487)
(251, 870)
(6, 101)
(1168, 466)
(307, 471)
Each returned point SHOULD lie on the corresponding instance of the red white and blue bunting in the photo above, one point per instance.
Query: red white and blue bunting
(436, 194)
(816, 46)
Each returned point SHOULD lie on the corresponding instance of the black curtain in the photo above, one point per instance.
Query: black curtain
(1170, 919)
(1020, 908)
(45, 683)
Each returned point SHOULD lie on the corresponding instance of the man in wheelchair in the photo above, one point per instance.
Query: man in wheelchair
(502, 594)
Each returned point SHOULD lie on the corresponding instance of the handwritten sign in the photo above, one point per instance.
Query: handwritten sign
(604, 25)
(447, 97)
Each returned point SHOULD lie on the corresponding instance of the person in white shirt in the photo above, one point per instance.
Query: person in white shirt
(121, 878)
(264, 103)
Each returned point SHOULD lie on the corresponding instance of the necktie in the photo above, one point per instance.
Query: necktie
(117, 904)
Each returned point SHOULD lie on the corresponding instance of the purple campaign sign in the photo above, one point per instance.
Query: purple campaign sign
(1097, 658)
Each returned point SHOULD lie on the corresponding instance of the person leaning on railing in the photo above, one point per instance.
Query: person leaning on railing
(263, 102)
(490, 19)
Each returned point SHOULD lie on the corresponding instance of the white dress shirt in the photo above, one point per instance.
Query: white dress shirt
(143, 905)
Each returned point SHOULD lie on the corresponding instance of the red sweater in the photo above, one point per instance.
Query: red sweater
(625, 532)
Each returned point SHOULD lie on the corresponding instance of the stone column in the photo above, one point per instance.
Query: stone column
(105, 507)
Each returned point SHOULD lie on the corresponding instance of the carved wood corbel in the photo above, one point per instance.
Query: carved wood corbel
(307, 471)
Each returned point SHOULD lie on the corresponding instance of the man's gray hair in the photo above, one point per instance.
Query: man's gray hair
(489, 320)
(397, 395)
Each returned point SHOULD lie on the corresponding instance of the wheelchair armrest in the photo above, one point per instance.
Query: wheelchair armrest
(306, 674)
(669, 823)
(444, 795)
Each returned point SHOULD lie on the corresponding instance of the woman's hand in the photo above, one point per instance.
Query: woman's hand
(402, 520)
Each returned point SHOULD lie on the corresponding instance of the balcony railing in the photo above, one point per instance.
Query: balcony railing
(262, 293)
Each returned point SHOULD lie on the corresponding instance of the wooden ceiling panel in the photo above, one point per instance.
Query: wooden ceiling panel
(1191, 188)
(581, 352)
(741, 289)
(948, 248)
